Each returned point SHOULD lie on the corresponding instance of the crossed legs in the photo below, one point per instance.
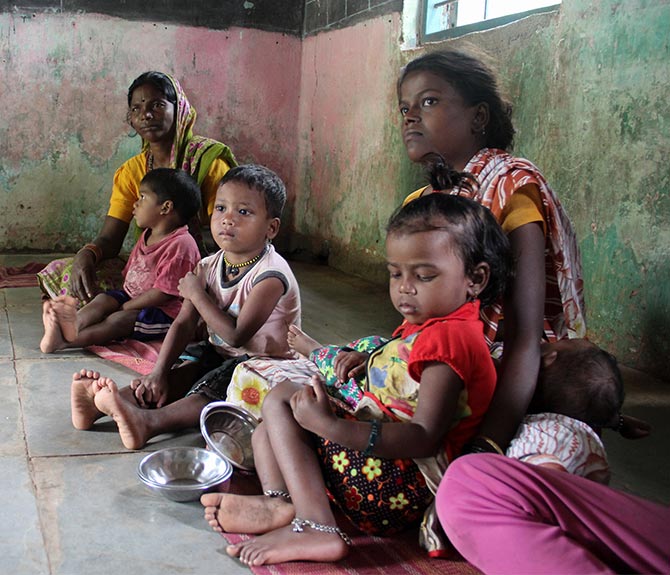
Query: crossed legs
(286, 461)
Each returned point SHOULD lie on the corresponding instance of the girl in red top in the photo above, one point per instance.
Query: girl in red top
(426, 391)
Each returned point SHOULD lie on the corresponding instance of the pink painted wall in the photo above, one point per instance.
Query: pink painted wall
(350, 153)
(63, 88)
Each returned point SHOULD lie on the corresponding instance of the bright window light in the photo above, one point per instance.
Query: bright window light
(443, 15)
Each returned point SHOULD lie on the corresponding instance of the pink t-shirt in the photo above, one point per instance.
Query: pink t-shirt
(161, 266)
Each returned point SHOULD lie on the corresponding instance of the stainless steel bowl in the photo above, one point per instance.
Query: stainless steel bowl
(227, 429)
(185, 473)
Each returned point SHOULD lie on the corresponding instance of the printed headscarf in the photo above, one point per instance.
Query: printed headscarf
(193, 154)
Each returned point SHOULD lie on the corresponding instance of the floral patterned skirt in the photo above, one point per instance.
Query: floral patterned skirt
(54, 279)
(379, 496)
(350, 392)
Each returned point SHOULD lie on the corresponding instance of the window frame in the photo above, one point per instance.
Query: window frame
(476, 26)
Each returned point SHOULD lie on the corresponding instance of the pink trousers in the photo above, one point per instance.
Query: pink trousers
(509, 517)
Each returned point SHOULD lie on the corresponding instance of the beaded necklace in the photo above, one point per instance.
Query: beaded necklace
(233, 270)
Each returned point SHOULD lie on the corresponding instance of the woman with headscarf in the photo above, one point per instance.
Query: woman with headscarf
(161, 114)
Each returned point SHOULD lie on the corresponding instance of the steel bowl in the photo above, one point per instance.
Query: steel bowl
(227, 429)
(185, 473)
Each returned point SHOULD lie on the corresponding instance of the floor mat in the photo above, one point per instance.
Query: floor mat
(136, 355)
(398, 555)
(20, 276)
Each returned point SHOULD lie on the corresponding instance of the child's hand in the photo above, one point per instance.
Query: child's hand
(190, 286)
(349, 364)
(311, 407)
(150, 390)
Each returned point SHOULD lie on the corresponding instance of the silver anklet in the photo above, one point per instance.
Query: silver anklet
(300, 524)
(278, 493)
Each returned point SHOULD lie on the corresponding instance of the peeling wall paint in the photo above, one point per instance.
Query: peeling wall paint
(589, 85)
(63, 100)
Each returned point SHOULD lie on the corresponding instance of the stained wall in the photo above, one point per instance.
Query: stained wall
(318, 104)
(589, 84)
(63, 85)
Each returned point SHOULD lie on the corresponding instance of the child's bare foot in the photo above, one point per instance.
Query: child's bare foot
(128, 417)
(66, 311)
(284, 544)
(299, 341)
(53, 336)
(246, 513)
(82, 396)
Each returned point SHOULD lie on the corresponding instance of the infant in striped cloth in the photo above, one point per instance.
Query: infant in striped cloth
(579, 392)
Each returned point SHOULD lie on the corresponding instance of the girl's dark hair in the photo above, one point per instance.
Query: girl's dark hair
(161, 81)
(475, 233)
(177, 186)
(476, 83)
(262, 180)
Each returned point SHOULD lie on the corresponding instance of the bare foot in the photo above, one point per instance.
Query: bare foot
(299, 341)
(82, 396)
(66, 311)
(128, 417)
(53, 337)
(246, 513)
(284, 544)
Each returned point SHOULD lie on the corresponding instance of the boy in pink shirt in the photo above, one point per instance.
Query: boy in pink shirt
(149, 301)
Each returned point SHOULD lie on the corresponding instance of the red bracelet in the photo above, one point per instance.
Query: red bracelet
(97, 252)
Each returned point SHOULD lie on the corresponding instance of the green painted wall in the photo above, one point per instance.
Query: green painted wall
(590, 87)
(589, 83)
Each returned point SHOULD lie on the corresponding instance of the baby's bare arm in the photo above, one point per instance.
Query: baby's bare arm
(421, 437)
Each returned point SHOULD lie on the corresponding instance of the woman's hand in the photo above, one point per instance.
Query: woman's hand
(150, 390)
(311, 407)
(349, 364)
(190, 286)
(82, 282)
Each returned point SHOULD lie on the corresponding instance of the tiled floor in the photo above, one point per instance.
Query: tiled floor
(71, 502)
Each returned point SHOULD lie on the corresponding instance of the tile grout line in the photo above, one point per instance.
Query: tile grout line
(28, 459)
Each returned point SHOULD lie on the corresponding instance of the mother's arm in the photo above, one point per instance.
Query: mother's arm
(523, 328)
(109, 241)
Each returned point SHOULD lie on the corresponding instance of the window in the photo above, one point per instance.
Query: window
(449, 18)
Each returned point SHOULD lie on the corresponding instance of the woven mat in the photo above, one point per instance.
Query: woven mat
(136, 355)
(398, 555)
(20, 276)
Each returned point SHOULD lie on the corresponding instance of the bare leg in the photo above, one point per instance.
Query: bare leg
(137, 425)
(299, 341)
(53, 336)
(294, 453)
(252, 514)
(66, 312)
(117, 325)
(96, 323)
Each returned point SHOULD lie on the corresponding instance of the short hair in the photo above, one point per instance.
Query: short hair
(263, 180)
(474, 231)
(178, 187)
(476, 83)
(161, 81)
(584, 383)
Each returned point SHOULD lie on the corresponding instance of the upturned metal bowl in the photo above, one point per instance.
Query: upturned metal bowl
(185, 473)
(227, 429)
